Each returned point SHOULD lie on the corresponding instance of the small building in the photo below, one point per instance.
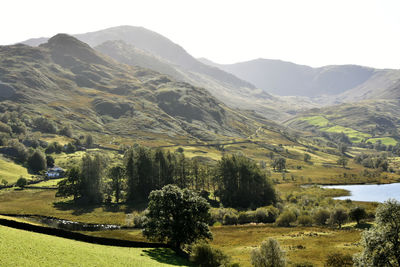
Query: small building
(55, 172)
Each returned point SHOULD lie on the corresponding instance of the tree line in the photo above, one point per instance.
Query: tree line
(235, 179)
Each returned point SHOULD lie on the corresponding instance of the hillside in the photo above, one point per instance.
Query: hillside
(369, 120)
(289, 79)
(71, 83)
(138, 46)
(383, 84)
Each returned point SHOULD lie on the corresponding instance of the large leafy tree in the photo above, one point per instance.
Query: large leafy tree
(177, 216)
(382, 242)
(241, 183)
(37, 161)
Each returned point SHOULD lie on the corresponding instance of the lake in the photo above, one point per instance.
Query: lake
(370, 192)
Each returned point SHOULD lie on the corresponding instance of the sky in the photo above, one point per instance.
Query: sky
(309, 32)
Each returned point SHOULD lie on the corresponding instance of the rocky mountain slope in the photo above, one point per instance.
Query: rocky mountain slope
(69, 82)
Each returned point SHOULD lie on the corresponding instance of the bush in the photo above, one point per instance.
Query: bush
(54, 148)
(338, 216)
(5, 128)
(21, 182)
(268, 255)
(339, 260)
(357, 214)
(246, 217)
(37, 161)
(321, 217)
(286, 218)
(139, 221)
(45, 125)
(267, 215)
(230, 219)
(206, 256)
(305, 220)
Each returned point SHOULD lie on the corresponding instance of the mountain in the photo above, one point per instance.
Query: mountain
(68, 82)
(383, 84)
(137, 46)
(289, 79)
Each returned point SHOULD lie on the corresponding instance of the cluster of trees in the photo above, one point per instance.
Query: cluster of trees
(242, 184)
(236, 180)
(374, 161)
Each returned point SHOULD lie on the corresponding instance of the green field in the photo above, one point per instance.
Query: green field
(316, 120)
(384, 140)
(355, 136)
(23, 248)
(11, 171)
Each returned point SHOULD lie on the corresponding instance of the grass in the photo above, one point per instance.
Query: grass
(319, 121)
(48, 183)
(11, 171)
(44, 202)
(355, 136)
(384, 140)
(23, 248)
(301, 244)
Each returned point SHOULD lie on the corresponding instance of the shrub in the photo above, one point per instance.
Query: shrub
(5, 128)
(21, 182)
(267, 215)
(338, 216)
(246, 217)
(357, 214)
(230, 219)
(268, 255)
(45, 125)
(339, 260)
(305, 220)
(139, 221)
(37, 161)
(4, 182)
(286, 218)
(206, 256)
(321, 217)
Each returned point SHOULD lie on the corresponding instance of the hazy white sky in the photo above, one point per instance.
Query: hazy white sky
(311, 32)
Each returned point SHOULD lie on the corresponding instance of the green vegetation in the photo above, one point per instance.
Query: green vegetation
(23, 248)
(319, 121)
(269, 254)
(355, 136)
(381, 243)
(10, 171)
(384, 140)
(177, 216)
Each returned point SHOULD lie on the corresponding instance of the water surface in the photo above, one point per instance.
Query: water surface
(370, 192)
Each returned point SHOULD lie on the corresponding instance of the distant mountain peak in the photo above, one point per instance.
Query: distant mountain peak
(66, 49)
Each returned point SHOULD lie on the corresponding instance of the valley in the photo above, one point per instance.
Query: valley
(125, 112)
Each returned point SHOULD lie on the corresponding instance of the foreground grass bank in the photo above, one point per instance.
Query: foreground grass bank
(23, 248)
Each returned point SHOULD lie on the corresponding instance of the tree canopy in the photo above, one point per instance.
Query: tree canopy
(242, 184)
(382, 242)
(177, 216)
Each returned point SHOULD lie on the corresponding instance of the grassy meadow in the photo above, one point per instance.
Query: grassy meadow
(10, 171)
(23, 248)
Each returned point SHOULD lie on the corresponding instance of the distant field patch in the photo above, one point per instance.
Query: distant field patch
(316, 121)
(384, 140)
(355, 136)
(11, 171)
(23, 248)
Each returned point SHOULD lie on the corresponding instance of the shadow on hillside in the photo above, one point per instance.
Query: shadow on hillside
(77, 209)
(166, 256)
